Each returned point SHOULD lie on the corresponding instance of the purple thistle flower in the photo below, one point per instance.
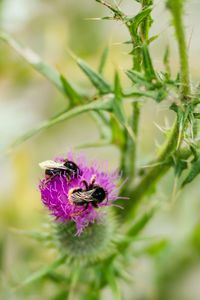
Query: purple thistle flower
(56, 192)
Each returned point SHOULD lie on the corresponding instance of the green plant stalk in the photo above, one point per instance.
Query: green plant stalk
(155, 173)
(131, 151)
(123, 156)
(143, 32)
(152, 176)
(132, 145)
(159, 169)
(176, 9)
(129, 147)
(146, 24)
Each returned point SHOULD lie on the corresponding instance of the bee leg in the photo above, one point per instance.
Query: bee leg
(76, 214)
(80, 212)
(49, 178)
(85, 184)
(92, 181)
(94, 204)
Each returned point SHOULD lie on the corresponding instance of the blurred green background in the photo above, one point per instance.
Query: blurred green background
(50, 28)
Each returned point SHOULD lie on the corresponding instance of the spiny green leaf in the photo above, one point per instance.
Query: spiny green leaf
(58, 80)
(179, 166)
(102, 104)
(174, 107)
(103, 60)
(139, 224)
(167, 62)
(118, 108)
(33, 59)
(131, 92)
(152, 39)
(183, 115)
(194, 151)
(148, 65)
(160, 94)
(137, 20)
(194, 171)
(138, 78)
(72, 94)
(156, 247)
(96, 79)
(146, 24)
(117, 132)
(117, 87)
(44, 271)
(154, 90)
(44, 69)
(134, 229)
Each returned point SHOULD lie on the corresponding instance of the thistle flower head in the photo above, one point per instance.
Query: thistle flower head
(79, 197)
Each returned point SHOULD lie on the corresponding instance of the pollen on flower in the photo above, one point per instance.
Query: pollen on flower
(79, 198)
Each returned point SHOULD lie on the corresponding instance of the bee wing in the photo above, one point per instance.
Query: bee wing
(83, 196)
(50, 164)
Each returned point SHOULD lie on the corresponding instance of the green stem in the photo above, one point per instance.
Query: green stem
(176, 9)
(73, 283)
(137, 40)
(123, 151)
(162, 165)
(132, 148)
(155, 173)
(146, 24)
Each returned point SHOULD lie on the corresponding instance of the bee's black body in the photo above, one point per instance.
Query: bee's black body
(70, 170)
(92, 194)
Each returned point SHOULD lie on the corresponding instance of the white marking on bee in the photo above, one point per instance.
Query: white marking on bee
(50, 164)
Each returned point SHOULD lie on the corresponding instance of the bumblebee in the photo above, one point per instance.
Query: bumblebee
(92, 194)
(67, 168)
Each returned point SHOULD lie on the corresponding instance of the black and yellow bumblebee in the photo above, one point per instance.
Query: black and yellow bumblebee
(91, 194)
(67, 168)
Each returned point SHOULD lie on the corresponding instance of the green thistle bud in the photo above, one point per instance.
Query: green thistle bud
(96, 242)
